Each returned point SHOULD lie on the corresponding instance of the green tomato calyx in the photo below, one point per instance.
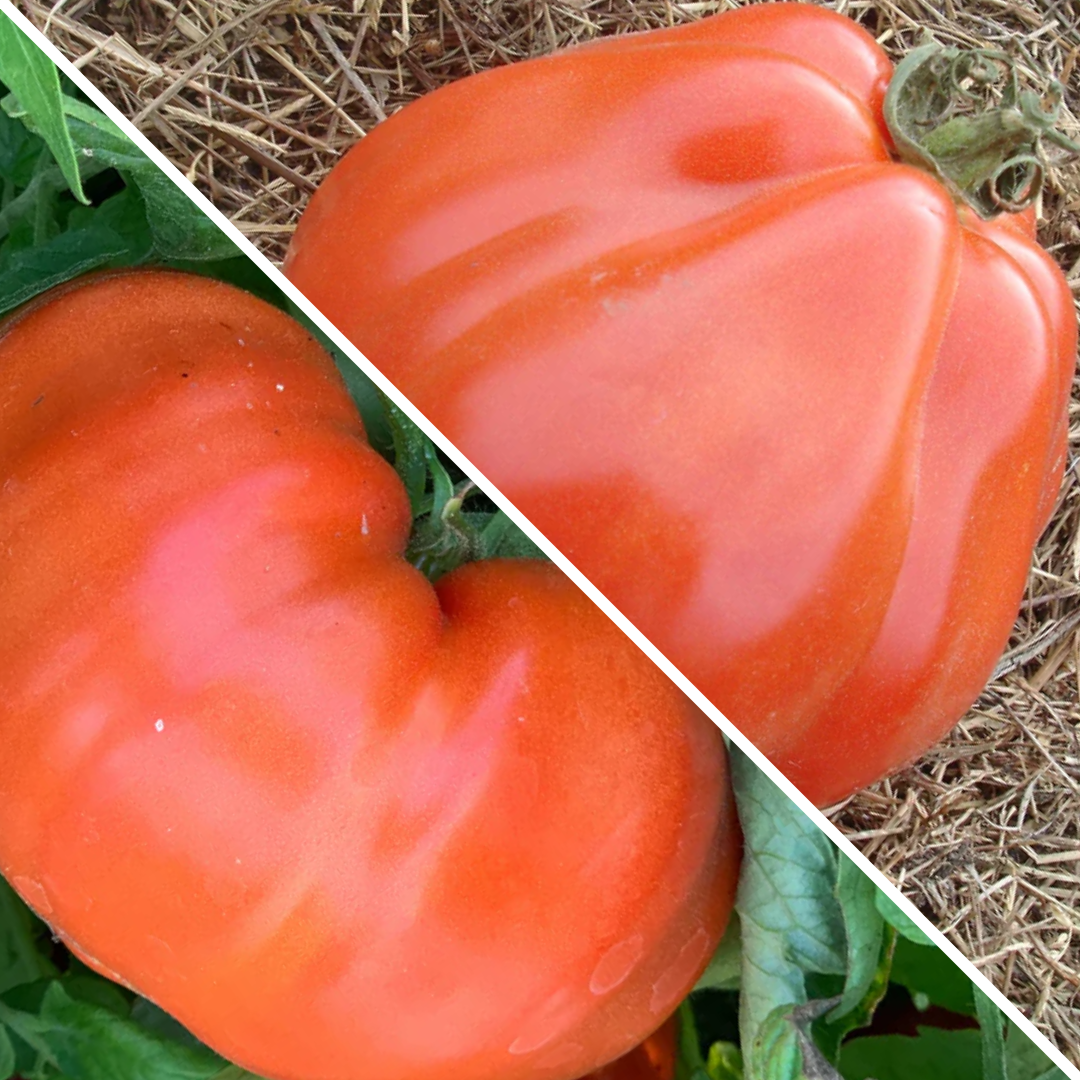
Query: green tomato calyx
(963, 115)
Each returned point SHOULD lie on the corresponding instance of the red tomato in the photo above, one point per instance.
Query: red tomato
(654, 1059)
(340, 823)
(794, 412)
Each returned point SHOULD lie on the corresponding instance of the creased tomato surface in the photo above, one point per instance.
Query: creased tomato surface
(343, 825)
(799, 416)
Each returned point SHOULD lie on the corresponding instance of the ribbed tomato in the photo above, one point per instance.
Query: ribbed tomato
(338, 822)
(794, 409)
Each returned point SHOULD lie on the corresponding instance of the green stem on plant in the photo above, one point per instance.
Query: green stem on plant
(445, 539)
(962, 115)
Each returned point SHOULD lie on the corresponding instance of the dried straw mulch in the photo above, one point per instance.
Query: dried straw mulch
(256, 101)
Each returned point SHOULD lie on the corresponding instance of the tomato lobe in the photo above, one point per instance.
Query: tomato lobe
(673, 295)
(338, 822)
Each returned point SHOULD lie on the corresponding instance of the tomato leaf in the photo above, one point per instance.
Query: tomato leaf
(28, 1033)
(33, 78)
(500, 538)
(934, 1054)
(89, 1042)
(1011, 1057)
(52, 144)
(783, 1047)
(21, 155)
(791, 920)
(724, 970)
(725, 1062)
(892, 914)
(158, 221)
(21, 961)
(82, 984)
(445, 534)
(865, 931)
(830, 1034)
(410, 456)
(33, 271)
(928, 973)
(7, 1055)
(1025, 1061)
(155, 1019)
(180, 229)
(442, 487)
(689, 1063)
(992, 1027)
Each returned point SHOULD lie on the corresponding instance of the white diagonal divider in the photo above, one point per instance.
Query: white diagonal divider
(357, 357)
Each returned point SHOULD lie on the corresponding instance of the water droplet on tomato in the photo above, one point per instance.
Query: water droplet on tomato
(616, 964)
(555, 1016)
(33, 892)
(674, 982)
(563, 1053)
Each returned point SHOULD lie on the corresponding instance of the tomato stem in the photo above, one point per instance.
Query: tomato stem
(962, 114)
(445, 538)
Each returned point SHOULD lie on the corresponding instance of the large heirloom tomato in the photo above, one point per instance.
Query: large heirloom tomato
(793, 407)
(340, 823)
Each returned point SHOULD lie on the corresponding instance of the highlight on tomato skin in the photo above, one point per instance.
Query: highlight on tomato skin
(337, 821)
(676, 296)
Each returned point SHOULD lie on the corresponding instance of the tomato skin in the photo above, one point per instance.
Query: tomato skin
(674, 297)
(654, 1059)
(338, 822)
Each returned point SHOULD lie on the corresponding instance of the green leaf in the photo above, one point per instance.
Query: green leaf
(725, 1062)
(725, 967)
(33, 79)
(791, 921)
(500, 538)
(992, 1027)
(830, 1033)
(933, 1055)
(50, 239)
(20, 153)
(901, 920)
(926, 970)
(410, 457)
(89, 1042)
(82, 984)
(442, 486)
(1026, 1061)
(689, 1064)
(783, 1048)
(32, 271)
(30, 1031)
(865, 930)
(366, 395)
(21, 959)
(155, 1019)
(369, 401)
(7, 1055)
(181, 230)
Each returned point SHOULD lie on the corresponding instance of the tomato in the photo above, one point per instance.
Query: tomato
(794, 410)
(654, 1059)
(338, 822)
